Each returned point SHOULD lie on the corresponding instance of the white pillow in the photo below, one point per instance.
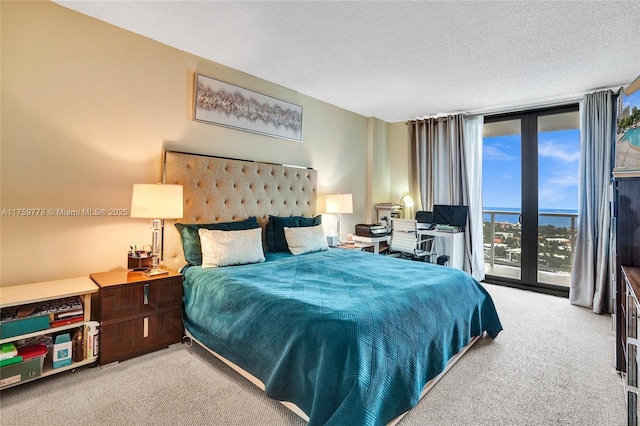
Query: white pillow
(305, 239)
(224, 248)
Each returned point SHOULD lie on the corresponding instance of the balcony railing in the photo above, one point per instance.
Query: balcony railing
(556, 241)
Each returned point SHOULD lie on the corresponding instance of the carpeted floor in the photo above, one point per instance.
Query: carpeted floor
(552, 365)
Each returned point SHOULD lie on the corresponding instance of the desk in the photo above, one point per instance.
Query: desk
(372, 240)
(449, 243)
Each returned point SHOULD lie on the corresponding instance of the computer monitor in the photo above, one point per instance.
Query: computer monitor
(450, 215)
(424, 216)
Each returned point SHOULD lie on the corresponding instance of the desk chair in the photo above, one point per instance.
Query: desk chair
(406, 241)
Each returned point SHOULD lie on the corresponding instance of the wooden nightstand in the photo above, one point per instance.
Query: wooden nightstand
(137, 314)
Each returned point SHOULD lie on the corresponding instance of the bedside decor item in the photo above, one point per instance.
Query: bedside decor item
(339, 204)
(228, 105)
(156, 202)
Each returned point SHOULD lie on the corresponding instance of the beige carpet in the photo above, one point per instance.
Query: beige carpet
(552, 365)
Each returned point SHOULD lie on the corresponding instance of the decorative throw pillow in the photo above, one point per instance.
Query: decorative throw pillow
(306, 239)
(191, 240)
(225, 248)
(275, 229)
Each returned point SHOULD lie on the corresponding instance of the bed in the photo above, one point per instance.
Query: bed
(339, 336)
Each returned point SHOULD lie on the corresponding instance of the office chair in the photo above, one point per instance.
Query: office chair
(406, 240)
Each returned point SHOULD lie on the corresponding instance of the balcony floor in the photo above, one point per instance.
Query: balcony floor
(555, 278)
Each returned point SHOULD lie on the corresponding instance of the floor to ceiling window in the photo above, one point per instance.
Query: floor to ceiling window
(530, 197)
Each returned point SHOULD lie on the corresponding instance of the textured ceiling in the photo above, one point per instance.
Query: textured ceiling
(402, 60)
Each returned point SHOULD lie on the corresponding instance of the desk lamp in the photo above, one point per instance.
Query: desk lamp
(407, 201)
(156, 202)
(339, 203)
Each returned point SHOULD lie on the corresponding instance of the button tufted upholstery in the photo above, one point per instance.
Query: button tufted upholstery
(222, 190)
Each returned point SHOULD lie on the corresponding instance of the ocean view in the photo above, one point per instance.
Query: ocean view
(557, 221)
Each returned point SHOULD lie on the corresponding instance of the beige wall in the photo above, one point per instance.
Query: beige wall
(398, 161)
(87, 109)
(379, 167)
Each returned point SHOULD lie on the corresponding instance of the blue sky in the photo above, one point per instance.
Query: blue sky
(558, 157)
(631, 100)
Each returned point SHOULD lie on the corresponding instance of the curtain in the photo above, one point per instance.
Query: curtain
(473, 150)
(589, 275)
(446, 168)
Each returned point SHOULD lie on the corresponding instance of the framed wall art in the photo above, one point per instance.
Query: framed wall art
(628, 131)
(224, 104)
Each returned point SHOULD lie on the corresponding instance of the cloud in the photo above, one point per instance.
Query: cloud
(558, 151)
(550, 195)
(492, 152)
(559, 189)
(568, 180)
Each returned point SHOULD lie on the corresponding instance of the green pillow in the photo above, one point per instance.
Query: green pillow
(191, 240)
(275, 238)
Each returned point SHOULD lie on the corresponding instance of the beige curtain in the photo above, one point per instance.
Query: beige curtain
(446, 168)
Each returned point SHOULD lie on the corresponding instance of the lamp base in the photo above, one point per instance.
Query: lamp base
(154, 272)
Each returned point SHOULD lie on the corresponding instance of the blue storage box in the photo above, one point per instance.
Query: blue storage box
(23, 326)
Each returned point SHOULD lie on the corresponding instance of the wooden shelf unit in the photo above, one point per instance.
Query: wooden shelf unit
(25, 294)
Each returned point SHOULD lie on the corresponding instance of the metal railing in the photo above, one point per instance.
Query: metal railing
(490, 256)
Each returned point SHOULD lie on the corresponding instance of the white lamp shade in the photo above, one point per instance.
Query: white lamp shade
(339, 203)
(156, 201)
(407, 200)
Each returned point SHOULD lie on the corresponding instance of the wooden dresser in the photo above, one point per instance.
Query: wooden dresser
(137, 314)
(626, 219)
(631, 277)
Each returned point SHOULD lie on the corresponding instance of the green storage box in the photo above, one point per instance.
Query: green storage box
(23, 326)
(24, 371)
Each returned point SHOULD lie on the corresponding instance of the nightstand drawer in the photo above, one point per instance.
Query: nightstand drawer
(144, 298)
(127, 339)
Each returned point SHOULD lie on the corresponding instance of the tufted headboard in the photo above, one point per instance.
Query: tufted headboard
(221, 190)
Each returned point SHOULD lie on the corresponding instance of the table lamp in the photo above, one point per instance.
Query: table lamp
(156, 202)
(339, 203)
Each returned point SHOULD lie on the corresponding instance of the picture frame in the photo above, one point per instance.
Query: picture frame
(224, 104)
(627, 151)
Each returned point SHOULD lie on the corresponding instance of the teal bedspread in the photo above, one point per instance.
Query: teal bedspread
(349, 337)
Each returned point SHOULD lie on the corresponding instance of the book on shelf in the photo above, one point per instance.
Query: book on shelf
(65, 321)
(67, 314)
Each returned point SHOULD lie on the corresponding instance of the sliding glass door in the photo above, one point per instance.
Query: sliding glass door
(530, 188)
